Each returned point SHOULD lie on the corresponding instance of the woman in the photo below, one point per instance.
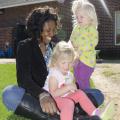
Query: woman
(29, 99)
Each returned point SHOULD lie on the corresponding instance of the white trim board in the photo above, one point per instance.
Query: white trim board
(15, 3)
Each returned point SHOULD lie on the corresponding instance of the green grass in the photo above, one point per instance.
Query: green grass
(7, 77)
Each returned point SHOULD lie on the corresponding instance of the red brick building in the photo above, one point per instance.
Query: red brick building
(109, 21)
(109, 27)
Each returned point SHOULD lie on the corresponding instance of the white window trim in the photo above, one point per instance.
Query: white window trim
(9, 4)
(116, 44)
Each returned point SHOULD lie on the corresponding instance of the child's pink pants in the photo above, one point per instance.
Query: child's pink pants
(66, 104)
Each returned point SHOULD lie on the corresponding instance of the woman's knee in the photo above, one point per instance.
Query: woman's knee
(12, 96)
(97, 94)
(99, 97)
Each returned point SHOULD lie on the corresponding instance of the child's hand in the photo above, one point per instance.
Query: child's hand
(76, 61)
(72, 87)
(80, 52)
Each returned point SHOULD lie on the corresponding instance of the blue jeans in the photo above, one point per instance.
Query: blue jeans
(97, 94)
(12, 96)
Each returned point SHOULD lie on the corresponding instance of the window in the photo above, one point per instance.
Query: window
(2, 11)
(117, 28)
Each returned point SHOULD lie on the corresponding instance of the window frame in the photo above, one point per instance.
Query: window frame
(116, 13)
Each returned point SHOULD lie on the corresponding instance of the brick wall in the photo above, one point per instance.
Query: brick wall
(10, 18)
(5, 36)
(106, 24)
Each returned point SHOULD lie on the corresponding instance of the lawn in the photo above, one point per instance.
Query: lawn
(7, 77)
(106, 78)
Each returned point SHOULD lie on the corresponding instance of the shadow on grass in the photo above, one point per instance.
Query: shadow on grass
(16, 117)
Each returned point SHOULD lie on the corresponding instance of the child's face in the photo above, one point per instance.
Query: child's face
(82, 19)
(64, 64)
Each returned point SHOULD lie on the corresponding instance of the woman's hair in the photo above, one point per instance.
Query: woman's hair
(89, 10)
(37, 18)
(62, 49)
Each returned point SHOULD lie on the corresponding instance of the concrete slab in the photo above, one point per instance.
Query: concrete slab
(6, 61)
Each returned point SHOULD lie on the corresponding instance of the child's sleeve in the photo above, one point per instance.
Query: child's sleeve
(73, 34)
(52, 73)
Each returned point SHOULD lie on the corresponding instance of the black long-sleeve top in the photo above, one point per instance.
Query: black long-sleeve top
(31, 67)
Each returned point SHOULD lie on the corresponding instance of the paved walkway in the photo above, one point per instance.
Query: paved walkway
(4, 61)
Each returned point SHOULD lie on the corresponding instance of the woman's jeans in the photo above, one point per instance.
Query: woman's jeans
(12, 96)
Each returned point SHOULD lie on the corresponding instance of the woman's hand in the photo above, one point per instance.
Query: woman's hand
(47, 103)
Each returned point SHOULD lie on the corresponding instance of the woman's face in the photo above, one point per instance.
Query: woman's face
(49, 30)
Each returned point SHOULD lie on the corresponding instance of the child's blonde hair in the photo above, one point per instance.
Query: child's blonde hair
(88, 8)
(61, 48)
